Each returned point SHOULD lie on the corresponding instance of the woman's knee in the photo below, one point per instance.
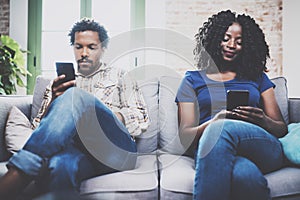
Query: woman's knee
(246, 175)
(227, 130)
(220, 127)
(210, 137)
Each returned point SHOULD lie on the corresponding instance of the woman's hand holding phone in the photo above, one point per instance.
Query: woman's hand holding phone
(250, 114)
(236, 99)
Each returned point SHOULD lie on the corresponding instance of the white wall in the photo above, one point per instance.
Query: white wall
(291, 39)
(291, 45)
(18, 27)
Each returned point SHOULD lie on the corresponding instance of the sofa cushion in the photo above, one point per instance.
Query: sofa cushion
(147, 141)
(281, 94)
(18, 130)
(38, 94)
(148, 84)
(168, 121)
(294, 110)
(143, 178)
(284, 182)
(3, 168)
(6, 103)
(177, 173)
(168, 132)
(130, 195)
(291, 143)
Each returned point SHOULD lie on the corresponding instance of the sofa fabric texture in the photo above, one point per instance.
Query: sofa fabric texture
(17, 131)
(6, 103)
(162, 171)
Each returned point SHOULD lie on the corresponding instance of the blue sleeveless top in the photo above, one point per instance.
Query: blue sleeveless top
(210, 95)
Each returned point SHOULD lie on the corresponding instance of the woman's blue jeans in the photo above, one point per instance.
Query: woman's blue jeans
(78, 138)
(231, 159)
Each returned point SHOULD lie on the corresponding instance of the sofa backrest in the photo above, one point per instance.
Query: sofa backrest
(147, 141)
(150, 80)
(6, 103)
(168, 122)
(159, 92)
(281, 94)
(38, 93)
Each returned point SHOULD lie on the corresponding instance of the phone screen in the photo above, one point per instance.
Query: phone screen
(237, 98)
(67, 69)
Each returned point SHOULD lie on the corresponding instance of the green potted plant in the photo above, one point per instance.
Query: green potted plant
(12, 63)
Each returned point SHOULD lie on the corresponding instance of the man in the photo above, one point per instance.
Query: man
(85, 130)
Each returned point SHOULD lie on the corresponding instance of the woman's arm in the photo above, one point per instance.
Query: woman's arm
(269, 117)
(273, 122)
(189, 130)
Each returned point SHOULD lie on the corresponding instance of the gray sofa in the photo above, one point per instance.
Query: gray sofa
(162, 170)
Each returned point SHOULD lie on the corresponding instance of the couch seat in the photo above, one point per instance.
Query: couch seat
(141, 181)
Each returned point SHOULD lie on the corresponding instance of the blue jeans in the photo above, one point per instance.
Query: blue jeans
(78, 138)
(231, 159)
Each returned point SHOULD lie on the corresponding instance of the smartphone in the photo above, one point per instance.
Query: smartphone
(67, 69)
(237, 98)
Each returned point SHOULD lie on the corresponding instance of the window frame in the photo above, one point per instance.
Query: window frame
(137, 20)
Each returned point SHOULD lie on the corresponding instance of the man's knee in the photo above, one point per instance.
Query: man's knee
(62, 172)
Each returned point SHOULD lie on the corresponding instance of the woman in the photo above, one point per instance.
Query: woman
(233, 148)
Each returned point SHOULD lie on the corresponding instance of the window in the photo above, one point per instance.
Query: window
(57, 18)
(113, 15)
(51, 21)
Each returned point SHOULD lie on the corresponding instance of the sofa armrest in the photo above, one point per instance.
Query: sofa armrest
(294, 110)
(6, 102)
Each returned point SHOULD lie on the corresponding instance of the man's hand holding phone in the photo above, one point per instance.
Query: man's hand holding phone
(65, 78)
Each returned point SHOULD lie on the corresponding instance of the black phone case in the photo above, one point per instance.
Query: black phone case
(237, 98)
(67, 69)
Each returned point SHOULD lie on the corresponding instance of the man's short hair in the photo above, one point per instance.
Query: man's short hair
(89, 25)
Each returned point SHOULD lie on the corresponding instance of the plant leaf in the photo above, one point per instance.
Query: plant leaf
(11, 65)
(20, 82)
(2, 91)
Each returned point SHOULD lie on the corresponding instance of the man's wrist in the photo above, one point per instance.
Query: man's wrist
(120, 117)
